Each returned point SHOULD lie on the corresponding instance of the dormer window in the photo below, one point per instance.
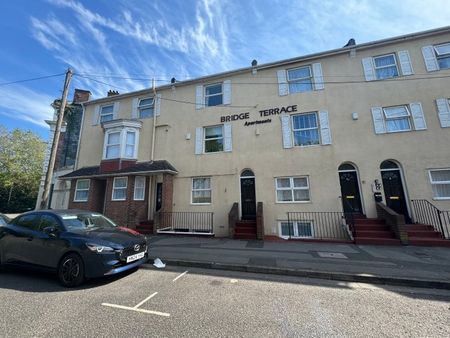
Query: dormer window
(121, 139)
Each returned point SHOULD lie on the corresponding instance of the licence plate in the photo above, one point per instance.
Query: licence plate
(135, 257)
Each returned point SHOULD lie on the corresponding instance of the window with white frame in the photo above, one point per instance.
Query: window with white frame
(297, 229)
(305, 128)
(112, 145)
(300, 79)
(443, 55)
(397, 119)
(213, 95)
(82, 191)
(440, 183)
(213, 139)
(121, 143)
(201, 190)
(292, 189)
(139, 188)
(119, 189)
(146, 108)
(106, 113)
(385, 66)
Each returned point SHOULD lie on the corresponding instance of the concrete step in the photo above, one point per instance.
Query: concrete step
(369, 221)
(377, 241)
(374, 234)
(423, 234)
(419, 227)
(372, 227)
(429, 242)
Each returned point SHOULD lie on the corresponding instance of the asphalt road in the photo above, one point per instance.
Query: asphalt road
(206, 303)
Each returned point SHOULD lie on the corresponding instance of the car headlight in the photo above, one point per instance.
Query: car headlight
(99, 248)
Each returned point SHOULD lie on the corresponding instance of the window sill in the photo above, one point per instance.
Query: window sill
(293, 202)
(115, 200)
(294, 237)
(200, 203)
(441, 198)
(80, 201)
(307, 146)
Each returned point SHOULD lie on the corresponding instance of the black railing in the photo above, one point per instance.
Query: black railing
(185, 222)
(428, 214)
(327, 225)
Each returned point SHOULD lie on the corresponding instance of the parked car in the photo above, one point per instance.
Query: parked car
(76, 244)
(4, 219)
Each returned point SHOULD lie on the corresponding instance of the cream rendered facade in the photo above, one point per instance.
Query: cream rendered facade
(259, 147)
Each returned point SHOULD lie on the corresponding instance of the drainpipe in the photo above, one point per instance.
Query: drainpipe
(154, 122)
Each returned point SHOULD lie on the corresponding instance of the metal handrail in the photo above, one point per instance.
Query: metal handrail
(186, 221)
(427, 213)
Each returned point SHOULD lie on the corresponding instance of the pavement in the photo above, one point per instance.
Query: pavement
(412, 266)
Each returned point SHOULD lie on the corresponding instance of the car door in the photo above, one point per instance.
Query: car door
(17, 241)
(47, 248)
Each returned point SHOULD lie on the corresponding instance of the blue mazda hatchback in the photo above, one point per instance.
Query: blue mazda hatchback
(76, 244)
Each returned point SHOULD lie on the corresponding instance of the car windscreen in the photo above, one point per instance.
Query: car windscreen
(86, 221)
(4, 220)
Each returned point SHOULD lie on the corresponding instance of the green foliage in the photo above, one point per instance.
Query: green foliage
(21, 161)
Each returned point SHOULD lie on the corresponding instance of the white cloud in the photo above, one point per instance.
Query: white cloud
(20, 103)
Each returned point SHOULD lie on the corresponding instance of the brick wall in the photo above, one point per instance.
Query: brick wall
(167, 193)
(95, 196)
(129, 212)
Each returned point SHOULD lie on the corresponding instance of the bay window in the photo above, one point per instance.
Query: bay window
(121, 140)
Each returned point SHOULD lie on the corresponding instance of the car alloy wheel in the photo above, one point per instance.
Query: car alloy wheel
(71, 271)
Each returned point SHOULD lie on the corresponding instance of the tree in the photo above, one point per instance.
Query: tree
(21, 163)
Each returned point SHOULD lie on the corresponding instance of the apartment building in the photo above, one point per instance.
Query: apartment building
(326, 134)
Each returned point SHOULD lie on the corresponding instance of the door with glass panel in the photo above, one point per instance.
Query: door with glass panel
(351, 198)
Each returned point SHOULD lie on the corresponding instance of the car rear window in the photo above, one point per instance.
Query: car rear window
(86, 221)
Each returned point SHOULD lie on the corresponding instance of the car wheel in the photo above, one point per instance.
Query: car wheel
(71, 270)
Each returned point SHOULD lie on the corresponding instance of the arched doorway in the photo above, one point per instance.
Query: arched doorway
(248, 198)
(394, 191)
(350, 191)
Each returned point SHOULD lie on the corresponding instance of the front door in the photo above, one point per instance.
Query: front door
(394, 193)
(248, 199)
(351, 199)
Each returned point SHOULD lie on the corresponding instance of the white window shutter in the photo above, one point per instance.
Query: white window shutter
(227, 92)
(134, 108)
(96, 115)
(283, 88)
(198, 140)
(378, 120)
(430, 58)
(318, 76)
(286, 131)
(228, 143)
(325, 131)
(199, 99)
(157, 108)
(116, 108)
(369, 70)
(405, 62)
(417, 115)
(443, 112)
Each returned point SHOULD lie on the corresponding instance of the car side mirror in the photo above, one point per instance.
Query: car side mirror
(51, 231)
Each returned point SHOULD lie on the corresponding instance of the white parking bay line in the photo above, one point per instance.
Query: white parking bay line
(179, 276)
(146, 299)
(163, 314)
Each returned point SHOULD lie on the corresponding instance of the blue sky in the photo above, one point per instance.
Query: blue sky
(126, 43)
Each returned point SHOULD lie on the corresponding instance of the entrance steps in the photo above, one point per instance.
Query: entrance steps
(145, 227)
(425, 235)
(245, 230)
(373, 231)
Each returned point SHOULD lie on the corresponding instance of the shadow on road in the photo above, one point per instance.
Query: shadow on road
(21, 279)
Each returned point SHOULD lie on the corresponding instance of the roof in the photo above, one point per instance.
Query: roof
(308, 57)
(160, 166)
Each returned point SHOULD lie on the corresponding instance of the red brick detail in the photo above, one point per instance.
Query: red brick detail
(95, 196)
(167, 193)
(117, 164)
(127, 213)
